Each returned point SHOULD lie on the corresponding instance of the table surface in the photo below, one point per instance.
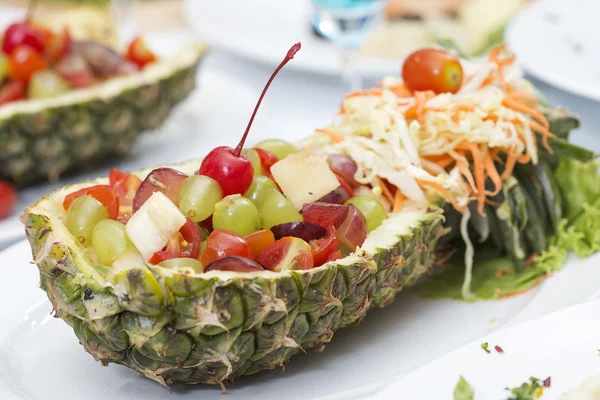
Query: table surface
(297, 103)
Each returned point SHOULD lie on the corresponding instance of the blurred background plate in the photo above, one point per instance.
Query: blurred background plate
(557, 41)
(262, 30)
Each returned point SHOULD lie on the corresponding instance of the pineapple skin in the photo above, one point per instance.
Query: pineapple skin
(174, 327)
(81, 128)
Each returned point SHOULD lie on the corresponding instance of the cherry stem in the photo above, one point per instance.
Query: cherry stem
(30, 9)
(290, 54)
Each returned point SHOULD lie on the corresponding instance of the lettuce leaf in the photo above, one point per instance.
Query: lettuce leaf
(496, 277)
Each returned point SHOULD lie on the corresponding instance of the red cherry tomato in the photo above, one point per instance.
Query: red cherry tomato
(12, 91)
(186, 243)
(103, 193)
(323, 248)
(164, 180)
(126, 186)
(138, 53)
(222, 243)
(288, 253)
(267, 159)
(57, 45)
(260, 240)
(8, 199)
(19, 34)
(24, 61)
(432, 69)
(233, 171)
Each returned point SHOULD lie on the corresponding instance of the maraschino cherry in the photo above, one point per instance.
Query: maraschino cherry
(228, 166)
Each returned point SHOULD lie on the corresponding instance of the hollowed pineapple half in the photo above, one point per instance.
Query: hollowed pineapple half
(40, 139)
(175, 325)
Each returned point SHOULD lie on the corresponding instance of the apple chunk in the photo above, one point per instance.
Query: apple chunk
(304, 178)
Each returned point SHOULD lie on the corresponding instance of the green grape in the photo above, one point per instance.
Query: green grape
(46, 83)
(3, 66)
(260, 186)
(83, 215)
(254, 158)
(237, 214)
(276, 209)
(202, 247)
(371, 208)
(109, 239)
(184, 262)
(197, 196)
(280, 148)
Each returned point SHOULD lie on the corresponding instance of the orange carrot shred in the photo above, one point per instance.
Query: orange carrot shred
(398, 201)
(442, 190)
(384, 188)
(493, 174)
(332, 135)
(463, 168)
(400, 90)
(511, 161)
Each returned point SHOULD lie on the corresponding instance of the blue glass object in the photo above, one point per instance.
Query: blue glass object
(346, 23)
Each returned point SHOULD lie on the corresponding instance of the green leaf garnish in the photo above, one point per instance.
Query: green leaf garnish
(485, 346)
(527, 390)
(463, 390)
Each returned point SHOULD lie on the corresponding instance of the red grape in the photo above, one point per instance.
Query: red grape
(22, 33)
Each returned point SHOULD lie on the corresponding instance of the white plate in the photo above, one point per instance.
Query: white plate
(557, 41)
(562, 345)
(263, 30)
(37, 348)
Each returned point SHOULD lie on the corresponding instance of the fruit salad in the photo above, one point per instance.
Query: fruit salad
(37, 63)
(245, 210)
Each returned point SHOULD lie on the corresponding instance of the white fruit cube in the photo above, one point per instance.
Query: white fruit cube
(153, 224)
(304, 178)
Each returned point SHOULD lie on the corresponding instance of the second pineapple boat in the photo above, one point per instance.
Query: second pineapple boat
(204, 272)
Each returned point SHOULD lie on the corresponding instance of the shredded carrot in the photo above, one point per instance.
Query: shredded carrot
(545, 134)
(479, 176)
(400, 90)
(463, 168)
(365, 92)
(421, 98)
(504, 271)
(443, 160)
(442, 190)
(384, 188)
(520, 96)
(332, 135)
(518, 106)
(511, 161)
(493, 174)
(398, 201)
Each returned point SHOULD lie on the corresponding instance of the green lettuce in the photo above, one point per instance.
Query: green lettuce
(579, 232)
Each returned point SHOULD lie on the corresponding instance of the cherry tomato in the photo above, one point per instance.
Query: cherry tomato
(164, 180)
(19, 34)
(260, 240)
(138, 53)
(126, 186)
(432, 69)
(222, 243)
(103, 193)
(185, 243)
(8, 199)
(323, 248)
(12, 91)
(288, 253)
(57, 45)
(267, 159)
(24, 61)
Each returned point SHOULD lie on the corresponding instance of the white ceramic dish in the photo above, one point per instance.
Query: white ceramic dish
(557, 41)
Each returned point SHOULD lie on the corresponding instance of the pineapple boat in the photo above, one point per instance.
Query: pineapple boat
(68, 103)
(210, 270)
